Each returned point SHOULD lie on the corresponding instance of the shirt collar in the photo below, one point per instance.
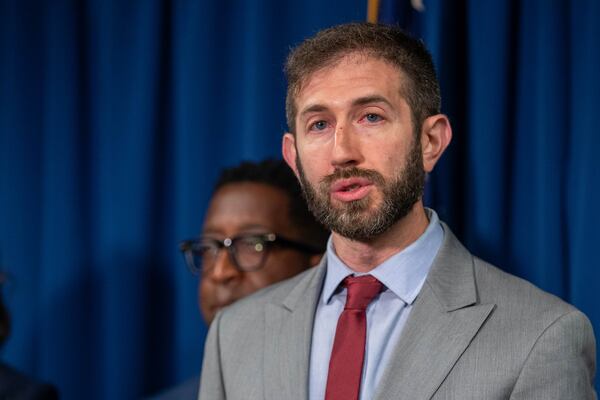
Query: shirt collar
(403, 273)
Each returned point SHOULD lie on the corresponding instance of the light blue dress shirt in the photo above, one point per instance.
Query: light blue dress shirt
(403, 275)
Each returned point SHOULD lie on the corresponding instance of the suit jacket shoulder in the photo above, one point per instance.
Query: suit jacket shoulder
(250, 309)
(516, 296)
(258, 347)
(477, 332)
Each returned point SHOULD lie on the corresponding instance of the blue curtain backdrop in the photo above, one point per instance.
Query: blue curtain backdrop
(116, 116)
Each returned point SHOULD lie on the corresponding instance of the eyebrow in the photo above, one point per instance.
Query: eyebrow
(313, 108)
(361, 101)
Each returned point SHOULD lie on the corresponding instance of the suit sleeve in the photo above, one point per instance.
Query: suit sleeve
(561, 364)
(211, 381)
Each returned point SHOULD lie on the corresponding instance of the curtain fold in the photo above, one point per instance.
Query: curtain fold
(115, 120)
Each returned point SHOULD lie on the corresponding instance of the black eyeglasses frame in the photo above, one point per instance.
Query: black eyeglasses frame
(187, 248)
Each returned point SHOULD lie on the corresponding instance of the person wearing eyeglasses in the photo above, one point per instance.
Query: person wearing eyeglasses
(257, 231)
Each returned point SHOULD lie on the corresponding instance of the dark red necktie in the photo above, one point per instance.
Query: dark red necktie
(348, 353)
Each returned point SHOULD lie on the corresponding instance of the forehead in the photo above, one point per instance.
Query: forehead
(241, 206)
(351, 74)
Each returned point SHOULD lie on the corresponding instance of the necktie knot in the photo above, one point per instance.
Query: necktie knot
(361, 291)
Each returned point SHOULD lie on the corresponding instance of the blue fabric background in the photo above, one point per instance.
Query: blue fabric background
(116, 116)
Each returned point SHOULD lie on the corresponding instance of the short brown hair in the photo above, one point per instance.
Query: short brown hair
(386, 42)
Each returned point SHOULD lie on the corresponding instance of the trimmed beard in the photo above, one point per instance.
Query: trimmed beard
(358, 220)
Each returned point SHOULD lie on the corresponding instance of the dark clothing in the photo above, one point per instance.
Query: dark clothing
(185, 391)
(16, 386)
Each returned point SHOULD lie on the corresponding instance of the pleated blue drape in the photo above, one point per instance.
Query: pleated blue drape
(116, 116)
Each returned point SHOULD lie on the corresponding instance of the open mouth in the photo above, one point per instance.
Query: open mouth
(350, 189)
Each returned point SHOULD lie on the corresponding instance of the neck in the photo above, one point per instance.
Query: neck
(364, 256)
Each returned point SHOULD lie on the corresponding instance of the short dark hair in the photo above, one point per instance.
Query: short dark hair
(386, 42)
(277, 174)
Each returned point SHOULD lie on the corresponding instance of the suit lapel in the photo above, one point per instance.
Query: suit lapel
(288, 334)
(444, 319)
(431, 343)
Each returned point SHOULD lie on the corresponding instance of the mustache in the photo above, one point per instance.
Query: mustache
(352, 172)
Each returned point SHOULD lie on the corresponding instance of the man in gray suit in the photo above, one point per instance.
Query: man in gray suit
(397, 308)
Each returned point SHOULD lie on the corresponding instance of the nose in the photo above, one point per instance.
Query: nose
(223, 269)
(346, 151)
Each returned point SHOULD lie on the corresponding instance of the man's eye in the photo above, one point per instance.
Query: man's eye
(373, 118)
(319, 126)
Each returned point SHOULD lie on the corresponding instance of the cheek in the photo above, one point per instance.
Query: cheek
(205, 289)
(259, 279)
(316, 166)
(283, 265)
(204, 299)
(391, 157)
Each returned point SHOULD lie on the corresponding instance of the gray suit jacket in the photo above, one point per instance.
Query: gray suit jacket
(474, 332)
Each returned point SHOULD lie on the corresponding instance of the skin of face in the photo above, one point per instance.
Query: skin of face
(353, 114)
(240, 208)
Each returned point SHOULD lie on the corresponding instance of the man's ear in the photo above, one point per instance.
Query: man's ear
(288, 149)
(436, 134)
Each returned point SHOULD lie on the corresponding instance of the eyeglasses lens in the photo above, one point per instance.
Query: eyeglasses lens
(249, 252)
